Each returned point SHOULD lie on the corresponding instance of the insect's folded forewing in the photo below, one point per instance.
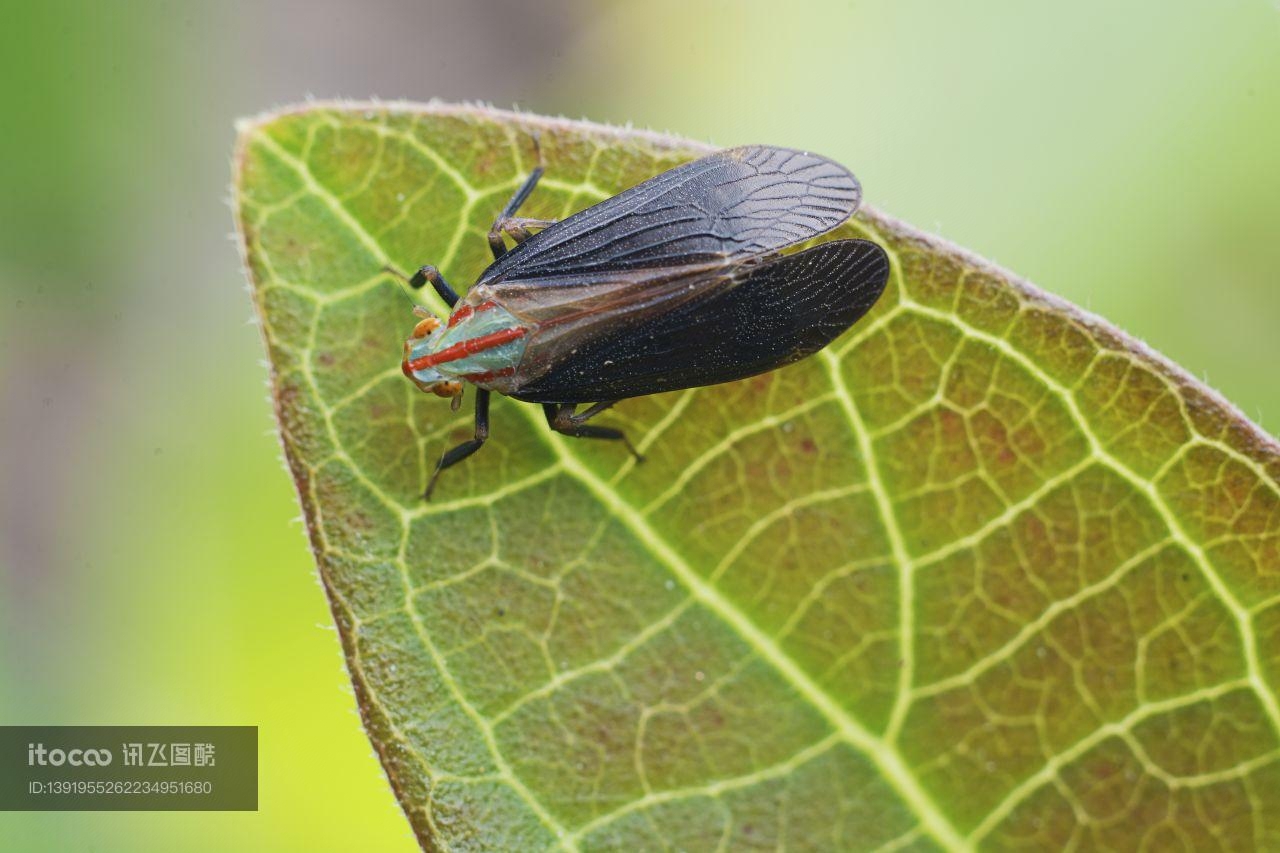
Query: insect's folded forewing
(713, 327)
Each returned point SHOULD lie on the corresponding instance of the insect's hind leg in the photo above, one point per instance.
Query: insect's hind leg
(562, 418)
(462, 451)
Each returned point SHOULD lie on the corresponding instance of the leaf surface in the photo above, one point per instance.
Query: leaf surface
(984, 574)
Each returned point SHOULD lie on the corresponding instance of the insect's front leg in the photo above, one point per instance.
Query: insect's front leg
(563, 418)
(462, 451)
(429, 273)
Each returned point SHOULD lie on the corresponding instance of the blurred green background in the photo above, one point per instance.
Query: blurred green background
(152, 570)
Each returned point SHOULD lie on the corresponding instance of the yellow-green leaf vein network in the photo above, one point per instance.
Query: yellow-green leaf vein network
(984, 574)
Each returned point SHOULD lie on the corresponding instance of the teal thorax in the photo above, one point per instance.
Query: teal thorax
(481, 343)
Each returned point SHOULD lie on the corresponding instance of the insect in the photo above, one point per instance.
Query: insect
(675, 283)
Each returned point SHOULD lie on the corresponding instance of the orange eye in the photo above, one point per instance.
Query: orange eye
(425, 327)
(447, 389)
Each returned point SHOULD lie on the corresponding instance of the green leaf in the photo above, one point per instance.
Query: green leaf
(985, 573)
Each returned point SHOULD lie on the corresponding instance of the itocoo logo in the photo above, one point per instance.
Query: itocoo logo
(38, 756)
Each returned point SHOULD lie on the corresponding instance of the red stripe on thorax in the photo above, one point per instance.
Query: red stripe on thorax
(489, 374)
(458, 316)
(462, 349)
(466, 311)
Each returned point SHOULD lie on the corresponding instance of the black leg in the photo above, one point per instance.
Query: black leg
(517, 227)
(562, 418)
(462, 451)
(431, 274)
(507, 220)
(508, 213)
(522, 194)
